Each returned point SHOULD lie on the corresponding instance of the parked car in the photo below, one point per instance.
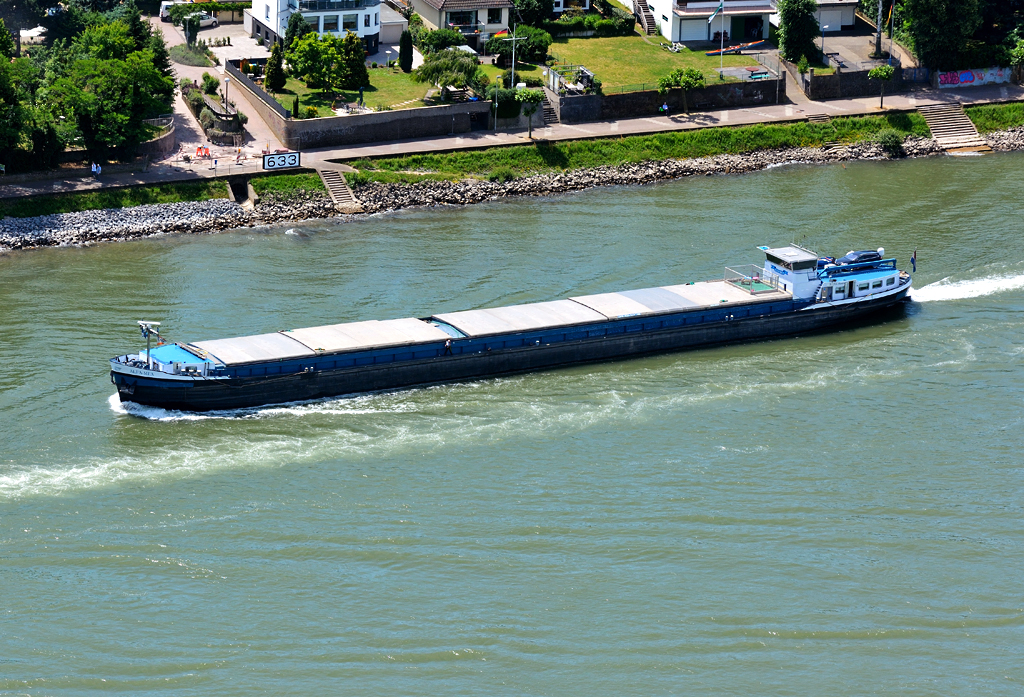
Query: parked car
(207, 20)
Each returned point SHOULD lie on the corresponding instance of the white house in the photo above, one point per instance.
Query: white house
(361, 17)
(477, 20)
(683, 20)
(837, 15)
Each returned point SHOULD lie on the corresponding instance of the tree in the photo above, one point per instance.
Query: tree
(533, 12)
(940, 30)
(353, 73)
(883, 74)
(297, 28)
(313, 58)
(447, 69)
(688, 79)
(275, 77)
(11, 112)
(405, 51)
(531, 100)
(111, 41)
(7, 47)
(797, 28)
(108, 100)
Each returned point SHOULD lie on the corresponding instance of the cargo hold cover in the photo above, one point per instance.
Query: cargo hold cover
(520, 318)
(366, 335)
(253, 349)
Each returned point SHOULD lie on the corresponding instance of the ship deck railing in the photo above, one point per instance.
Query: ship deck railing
(752, 279)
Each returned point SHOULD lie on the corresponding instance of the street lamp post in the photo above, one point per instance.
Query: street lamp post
(227, 83)
(389, 57)
(824, 58)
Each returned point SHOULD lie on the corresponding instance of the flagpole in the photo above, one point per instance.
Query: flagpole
(721, 51)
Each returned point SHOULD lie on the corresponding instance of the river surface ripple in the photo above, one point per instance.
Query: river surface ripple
(826, 515)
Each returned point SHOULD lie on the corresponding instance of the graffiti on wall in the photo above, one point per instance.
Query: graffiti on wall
(971, 78)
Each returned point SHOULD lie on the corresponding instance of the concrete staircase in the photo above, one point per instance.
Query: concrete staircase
(951, 128)
(819, 118)
(337, 187)
(642, 10)
(550, 116)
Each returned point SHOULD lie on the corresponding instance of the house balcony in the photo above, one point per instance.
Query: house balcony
(320, 5)
(473, 28)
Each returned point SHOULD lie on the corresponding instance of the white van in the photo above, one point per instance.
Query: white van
(164, 7)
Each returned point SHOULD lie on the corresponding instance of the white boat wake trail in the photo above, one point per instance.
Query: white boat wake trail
(960, 290)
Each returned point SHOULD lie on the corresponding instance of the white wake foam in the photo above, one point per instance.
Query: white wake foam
(960, 290)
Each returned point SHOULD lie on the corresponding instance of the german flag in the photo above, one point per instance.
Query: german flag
(503, 32)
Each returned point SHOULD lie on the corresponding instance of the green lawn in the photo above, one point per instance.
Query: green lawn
(629, 60)
(387, 88)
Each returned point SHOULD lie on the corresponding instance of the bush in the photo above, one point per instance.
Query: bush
(501, 175)
(508, 105)
(242, 118)
(530, 80)
(891, 141)
(534, 49)
(311, 112)
(431, 41)
(210, 84)
(186, 55)
(803, 65)
(207, 119)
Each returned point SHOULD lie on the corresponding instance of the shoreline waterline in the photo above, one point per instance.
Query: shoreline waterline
(84, 228)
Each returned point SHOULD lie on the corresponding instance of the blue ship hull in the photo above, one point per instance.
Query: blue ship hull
(471, 358)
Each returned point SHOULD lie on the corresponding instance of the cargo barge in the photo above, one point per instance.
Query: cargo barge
(794, 292)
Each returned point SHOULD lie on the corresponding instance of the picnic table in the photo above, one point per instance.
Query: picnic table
(758, 72)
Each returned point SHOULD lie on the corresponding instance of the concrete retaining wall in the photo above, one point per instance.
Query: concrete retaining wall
(159, 146)
(845, 85)
(384, 125)
(592, 107)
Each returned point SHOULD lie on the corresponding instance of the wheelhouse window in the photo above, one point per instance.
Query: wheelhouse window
(494, 15)
(330, 23)
(862, 286)
(890, 282)
(876, 284)
(350, 22)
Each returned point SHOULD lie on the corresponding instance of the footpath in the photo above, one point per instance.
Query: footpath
(789, 111)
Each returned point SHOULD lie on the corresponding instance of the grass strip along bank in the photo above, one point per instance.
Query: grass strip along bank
(113, 198)
(519, 160)
(568, 155)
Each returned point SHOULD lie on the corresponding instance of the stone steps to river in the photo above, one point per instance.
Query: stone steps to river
(342, 196)
(550, 116)
(951, 128)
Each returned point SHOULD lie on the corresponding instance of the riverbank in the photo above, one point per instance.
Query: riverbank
(290, 202)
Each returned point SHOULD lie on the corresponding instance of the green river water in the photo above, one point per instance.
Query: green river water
(828, 515)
